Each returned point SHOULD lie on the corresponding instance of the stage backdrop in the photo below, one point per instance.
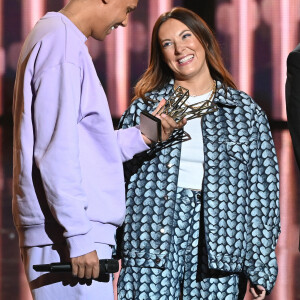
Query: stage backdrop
(255, 36)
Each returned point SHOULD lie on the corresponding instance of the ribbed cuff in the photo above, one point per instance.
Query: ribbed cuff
(81, 244)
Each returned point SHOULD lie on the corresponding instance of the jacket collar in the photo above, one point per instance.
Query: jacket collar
(223, 97)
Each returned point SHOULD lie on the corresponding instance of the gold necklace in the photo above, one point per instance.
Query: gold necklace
(196, 105)
(213, 84)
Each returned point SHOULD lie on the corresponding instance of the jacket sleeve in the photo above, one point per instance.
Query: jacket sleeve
(131, 116)
(293, 100)
(56, 153)
(263, 217)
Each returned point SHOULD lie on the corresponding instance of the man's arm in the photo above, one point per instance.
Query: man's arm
(130, 139)
(293, 100)
(56, 154)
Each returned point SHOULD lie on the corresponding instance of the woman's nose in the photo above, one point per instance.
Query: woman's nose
(179, 47)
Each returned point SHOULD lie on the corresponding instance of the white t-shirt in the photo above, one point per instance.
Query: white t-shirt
(192, 156)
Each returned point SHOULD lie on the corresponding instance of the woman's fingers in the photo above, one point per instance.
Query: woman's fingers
(168, 124)
(258, 292)
(160, 105)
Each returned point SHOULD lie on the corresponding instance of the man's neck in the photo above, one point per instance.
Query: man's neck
(78, 14)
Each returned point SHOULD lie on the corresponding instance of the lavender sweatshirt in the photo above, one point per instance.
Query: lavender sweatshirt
(68, 180)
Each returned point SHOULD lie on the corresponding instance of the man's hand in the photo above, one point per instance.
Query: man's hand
(257, 291)
(86, 266)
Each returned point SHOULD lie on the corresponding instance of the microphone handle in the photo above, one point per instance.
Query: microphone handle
(106, 266)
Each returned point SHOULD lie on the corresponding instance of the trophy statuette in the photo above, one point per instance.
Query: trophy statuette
(177, 108)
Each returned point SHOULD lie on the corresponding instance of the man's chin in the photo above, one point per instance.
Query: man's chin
(110, 30)
(104, 35)
(100, 37)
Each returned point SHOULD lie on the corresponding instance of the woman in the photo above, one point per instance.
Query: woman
(202, 215)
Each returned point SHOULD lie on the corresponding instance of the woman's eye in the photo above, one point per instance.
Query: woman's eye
(166, 44)
(186, 35)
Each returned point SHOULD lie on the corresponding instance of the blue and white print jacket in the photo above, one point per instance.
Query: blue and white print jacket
(240, 190)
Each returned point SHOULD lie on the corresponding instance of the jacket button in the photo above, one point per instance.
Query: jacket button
(157, 260)
(198, 196)
(166, 197)
(162, 230)
(169, 165)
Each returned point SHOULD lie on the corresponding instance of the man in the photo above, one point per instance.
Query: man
(293, 99)
(292, 94)
(68, 188)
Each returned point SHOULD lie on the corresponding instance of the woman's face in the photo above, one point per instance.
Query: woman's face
(182, 51)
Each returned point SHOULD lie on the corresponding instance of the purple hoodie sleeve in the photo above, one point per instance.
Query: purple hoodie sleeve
(56, 153)
(131, 142)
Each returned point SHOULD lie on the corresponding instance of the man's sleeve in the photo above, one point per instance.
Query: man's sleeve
(129, 135)
(56, 153)
(263, 224)
(293, 100)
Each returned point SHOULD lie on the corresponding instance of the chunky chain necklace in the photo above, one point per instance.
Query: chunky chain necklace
(212, 87)
(207, 101)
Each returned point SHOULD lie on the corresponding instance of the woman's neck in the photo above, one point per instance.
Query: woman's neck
(196, 87)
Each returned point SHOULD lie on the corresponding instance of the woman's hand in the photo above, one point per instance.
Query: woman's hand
(257, 291)
(115, 281)
(168, 125)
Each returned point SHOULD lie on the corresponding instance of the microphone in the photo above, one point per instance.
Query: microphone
(106, 266)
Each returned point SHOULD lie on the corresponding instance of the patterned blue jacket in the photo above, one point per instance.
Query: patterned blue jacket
(240, 190)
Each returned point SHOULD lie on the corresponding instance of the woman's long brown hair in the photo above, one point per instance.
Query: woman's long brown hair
(158, 73)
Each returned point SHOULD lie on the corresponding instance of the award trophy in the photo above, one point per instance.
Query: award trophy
(177, 108)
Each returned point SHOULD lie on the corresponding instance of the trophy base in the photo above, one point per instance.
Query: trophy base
(150, 126)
